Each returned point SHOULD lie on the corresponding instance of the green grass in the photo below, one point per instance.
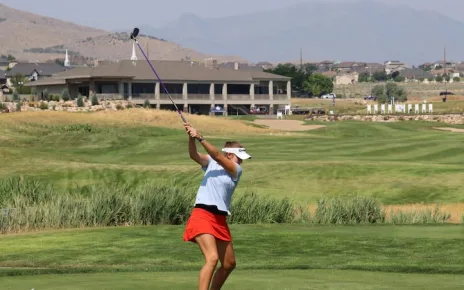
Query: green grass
(396, 163)
(408, 249)
(241, 280)
(265, 253)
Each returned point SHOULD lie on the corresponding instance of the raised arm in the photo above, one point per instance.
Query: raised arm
(215, 154)
(199, 158)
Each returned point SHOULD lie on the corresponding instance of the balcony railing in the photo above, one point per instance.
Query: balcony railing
(280, 97)
(262, 97)
(109, 96)
(199, 97)
(143, 96)
(218, 97)
(239, 97)
(165, 97)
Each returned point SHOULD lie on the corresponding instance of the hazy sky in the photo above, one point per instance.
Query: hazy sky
(120, 15)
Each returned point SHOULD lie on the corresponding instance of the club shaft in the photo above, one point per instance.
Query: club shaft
(161, 83)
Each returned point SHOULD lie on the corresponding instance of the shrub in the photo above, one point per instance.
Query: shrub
(94, 100)
(18, 106)
(80, 101)
(15, 97)
(119, 107)
(65, 95)
(43, 106)
(146, 104)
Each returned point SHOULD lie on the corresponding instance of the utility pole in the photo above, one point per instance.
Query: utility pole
(446, 82)
(301, 59)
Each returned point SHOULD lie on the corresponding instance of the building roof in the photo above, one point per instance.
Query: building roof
(167, 71)
(415, 73)
(4, 60)
(43, 69)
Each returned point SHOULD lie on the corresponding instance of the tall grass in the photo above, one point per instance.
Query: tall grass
(355, 210)
(27, 205)
(422, 216)
(30, 205)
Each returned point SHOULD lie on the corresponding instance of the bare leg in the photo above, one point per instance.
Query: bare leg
(208, 247)
(227, 257)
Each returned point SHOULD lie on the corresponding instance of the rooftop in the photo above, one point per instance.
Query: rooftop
(167, 71)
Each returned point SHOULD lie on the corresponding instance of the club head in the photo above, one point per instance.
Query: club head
(134, 33)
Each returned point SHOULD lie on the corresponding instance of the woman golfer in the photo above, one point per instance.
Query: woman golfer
(207, 224)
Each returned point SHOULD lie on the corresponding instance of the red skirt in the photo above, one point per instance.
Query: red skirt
(204, 222)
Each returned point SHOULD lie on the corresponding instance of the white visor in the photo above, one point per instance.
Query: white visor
(239, 152)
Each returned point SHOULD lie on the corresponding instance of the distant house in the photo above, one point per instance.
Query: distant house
(264, 65)
(2, 77)
(415, 74)
(325, 65)
(35, 71)
(350, 66)
(4, 63)
(240, 66)
(394, 65)
(346, 79)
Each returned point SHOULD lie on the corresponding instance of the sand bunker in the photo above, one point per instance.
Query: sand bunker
(456, 130)
(287, 125)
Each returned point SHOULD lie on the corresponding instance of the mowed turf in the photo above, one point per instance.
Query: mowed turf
(282, 256)
(240, 280)
(398, 163)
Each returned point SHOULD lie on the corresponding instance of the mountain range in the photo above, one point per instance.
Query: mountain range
(31, 37)
(361, 30)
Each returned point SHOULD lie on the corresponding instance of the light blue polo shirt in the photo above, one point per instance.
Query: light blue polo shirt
(217, 186)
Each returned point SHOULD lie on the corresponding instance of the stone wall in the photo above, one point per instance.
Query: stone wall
(70, 106)
(448, 118)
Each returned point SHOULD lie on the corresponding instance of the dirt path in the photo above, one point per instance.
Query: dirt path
(287, 125)
(450, 129)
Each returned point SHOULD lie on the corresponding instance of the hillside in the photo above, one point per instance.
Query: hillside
(348, 31)
(31, 37)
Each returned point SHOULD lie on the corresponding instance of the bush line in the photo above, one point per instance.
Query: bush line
(27, 204)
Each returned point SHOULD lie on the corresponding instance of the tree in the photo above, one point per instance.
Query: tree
(456, 79)
(380, 76)
(379, 92)
(364, 78)
(318, 84)
(399, 79)
(385, 93)
(297, 74)
(393, 90)
(439, 79)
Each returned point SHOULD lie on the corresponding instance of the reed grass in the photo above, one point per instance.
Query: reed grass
(30, 205)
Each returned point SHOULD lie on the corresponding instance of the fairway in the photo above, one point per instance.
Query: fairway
(240, 280)
(99, 201)
(283, 256)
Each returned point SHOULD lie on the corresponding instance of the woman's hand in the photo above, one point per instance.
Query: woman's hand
(192, 132)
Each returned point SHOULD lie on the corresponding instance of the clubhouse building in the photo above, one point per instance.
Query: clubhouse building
(195, 88)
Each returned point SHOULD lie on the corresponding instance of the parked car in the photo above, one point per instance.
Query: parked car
(329, 96)
(259, 111)
(371, 98)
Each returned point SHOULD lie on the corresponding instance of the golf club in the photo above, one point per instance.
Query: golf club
(133, 36)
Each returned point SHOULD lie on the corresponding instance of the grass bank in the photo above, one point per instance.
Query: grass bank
(405, 249)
